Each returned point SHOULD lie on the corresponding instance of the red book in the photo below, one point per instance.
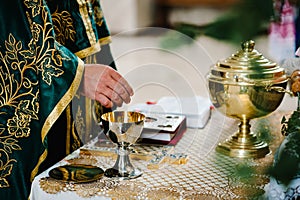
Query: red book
(161, 132)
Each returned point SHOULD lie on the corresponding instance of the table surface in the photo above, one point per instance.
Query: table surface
(207, 174)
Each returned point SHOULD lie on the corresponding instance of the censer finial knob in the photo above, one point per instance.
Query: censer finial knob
(248, 46)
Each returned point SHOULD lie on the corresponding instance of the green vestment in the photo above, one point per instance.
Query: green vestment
(42, 48)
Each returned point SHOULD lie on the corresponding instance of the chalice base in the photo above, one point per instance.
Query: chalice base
(115, 173)
(134, 174)
(244, 148)
(123, 169)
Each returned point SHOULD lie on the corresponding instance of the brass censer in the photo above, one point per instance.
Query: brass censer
(246, 86)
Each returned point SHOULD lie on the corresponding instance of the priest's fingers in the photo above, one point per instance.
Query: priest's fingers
(110, 94)
(116, 90)
(122, 82)
(120, 90)
(104, 101)
(105, 85)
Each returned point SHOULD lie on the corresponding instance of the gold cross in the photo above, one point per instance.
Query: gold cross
(158, 156)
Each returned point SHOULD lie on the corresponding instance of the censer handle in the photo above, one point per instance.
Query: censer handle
(278, 89)
(268, 86)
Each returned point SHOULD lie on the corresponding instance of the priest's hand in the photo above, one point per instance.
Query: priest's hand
(295, 82)
(105, 85)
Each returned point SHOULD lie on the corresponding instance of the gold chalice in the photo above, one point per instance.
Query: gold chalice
(123, 128)
(246, 86)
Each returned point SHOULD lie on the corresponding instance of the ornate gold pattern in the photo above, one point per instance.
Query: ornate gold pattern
(88, 118)
(87, 8)
(105, 40)
(7, 163)
(65, 100)
(68, 131)
(77, 142)
(87, 160)
(34, 5)
(63, 26)
(88, 51)
(47, 77)
(98, 14)
(53, 187)
(84, 11)
(79, 121)
(20, 92)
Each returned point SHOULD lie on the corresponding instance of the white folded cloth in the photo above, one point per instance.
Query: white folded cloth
(196, 109)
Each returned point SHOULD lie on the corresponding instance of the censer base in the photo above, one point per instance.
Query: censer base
(232, 148)
(244, 144)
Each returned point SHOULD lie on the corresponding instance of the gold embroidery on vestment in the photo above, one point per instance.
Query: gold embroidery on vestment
(68, 131)
(84, 11)
(19, 91)
(63, 26)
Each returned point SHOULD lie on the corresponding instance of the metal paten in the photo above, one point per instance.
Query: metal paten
(246, 86)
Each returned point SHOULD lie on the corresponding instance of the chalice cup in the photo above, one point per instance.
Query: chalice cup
(123, 128)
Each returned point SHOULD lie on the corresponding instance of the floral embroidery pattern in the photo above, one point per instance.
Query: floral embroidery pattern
(63, 26)
(34, 5)
(98, 14)
(6, 163)
(79, 121)
(20, 67)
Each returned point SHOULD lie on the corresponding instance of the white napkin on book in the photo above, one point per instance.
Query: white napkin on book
(196, 109)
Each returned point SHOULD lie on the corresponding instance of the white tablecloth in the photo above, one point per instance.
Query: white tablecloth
(207, 174)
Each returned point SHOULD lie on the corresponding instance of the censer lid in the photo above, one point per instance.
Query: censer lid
(247, 65)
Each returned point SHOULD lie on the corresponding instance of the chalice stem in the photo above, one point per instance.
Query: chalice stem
(123, 164)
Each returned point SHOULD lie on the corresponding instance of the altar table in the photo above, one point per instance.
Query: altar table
(207, 174)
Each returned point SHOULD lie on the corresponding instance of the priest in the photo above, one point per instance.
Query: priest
(44, 49)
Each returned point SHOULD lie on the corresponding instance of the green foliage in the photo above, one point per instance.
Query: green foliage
(174, 40)
(264, 131)
(244, 172)
(286, 165)
(245, 20)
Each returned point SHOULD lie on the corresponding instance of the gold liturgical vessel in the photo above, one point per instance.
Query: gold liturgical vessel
(246, 86)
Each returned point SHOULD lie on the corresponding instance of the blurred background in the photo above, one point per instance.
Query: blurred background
(161, 58)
